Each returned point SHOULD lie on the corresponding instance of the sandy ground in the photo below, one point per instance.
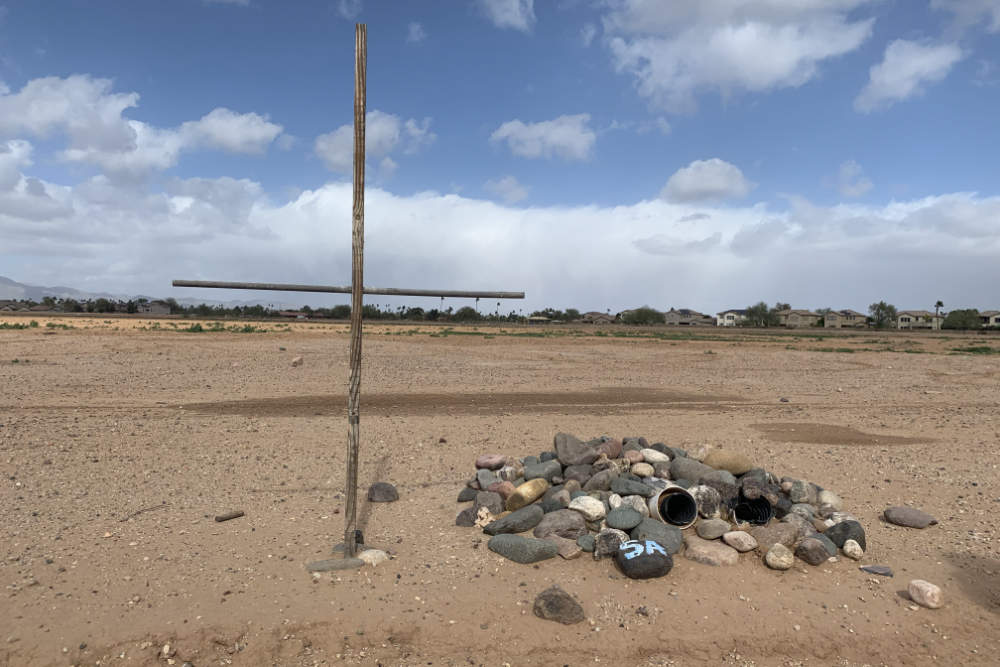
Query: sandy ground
(121, 439)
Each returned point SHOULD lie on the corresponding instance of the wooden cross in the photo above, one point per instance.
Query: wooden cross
(356, 289)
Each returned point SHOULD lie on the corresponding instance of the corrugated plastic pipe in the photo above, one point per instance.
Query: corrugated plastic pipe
(674, 505)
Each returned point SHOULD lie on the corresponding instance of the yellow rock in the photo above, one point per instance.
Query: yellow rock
(527, 493)
(734, 462)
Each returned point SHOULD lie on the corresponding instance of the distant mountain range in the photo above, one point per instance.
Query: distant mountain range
(11, 289)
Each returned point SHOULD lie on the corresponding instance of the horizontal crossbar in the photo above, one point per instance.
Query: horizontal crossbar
(382, 291)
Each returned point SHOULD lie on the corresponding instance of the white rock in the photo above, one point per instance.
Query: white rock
(297, 361)
(614, 501)
(373, 556)
(652, 456)
(642, 470)
(779, 557)
(924, 593)
(740, 540)
(592, 509)
(853, 550)
(638, 503)
(830, 499)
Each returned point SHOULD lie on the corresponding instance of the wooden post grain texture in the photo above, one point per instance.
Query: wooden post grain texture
(357, 286)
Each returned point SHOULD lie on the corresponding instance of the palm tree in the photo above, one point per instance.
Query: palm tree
(938, 306)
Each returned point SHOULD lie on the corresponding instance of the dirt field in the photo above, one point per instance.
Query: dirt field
(121, 439)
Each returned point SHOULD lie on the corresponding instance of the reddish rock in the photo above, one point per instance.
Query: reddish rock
(491, 461)
(505, 489)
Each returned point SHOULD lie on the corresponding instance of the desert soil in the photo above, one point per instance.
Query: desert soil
(120, 440)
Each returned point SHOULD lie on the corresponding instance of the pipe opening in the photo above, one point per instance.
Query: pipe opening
(757, 511)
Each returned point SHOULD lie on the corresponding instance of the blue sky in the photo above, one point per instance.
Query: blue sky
(596, 154)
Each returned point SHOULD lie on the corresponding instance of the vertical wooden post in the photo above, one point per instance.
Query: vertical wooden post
(357, 286)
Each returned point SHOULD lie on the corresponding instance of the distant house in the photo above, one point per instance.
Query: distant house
(41, 308)
(9, 305)
(838, 319)
(154, 308)
(686, 317)
(594, 317)
(538, 319)
(918, 319)
(730, 318)
(794, 319)
(990, 318)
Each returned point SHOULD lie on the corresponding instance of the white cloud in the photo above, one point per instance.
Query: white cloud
(677, 50)
(851, 180)
(508, 189)
(567, 137)
(587, 33)
(971, 12)
(384, 133)
(514, 14)
(89, 114)
(415, 33)
(904, 72)
(100, 234)
(706, 180)
(349, 9)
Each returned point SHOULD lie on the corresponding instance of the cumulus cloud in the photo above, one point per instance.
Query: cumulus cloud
(384, 134)
(89, 114)
(415, 33)
(851, 180)
(678, 50)
(508, 189)
(707, 180)
(103, 235)
(567, 137)
(513, 14)
(904, 72)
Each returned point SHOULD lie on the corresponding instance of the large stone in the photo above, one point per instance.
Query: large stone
(831, 548)
(654, 456)
(555, 604)
(775, 533)
(523, 519)
(642, 470)
(910, 517)
(580, 473)
(645, 559)
(633, 456)
(779, 557)
(601, 481)
(736, 463)
(629, 487)
(486, 478)
(466, 518)
(467, 494)
(723, 482)
(527, 493)
(803, 492)
(491, 461)
(568, 549)
(685, 468)
(564, 523)
(547, 471)
(610, 447)
(490, 500)
(709, 552)
(708, 500)
(638, 503)
(740, 540)
(607, 541)
(586, 542)
(847, 530)
(756, 487)
(830, 499)
(592, 509)
(383, 492)
(812, 551)
(924, 593)
(667, 536)
(573, 452)
(623, 518)
(712, 529)
(522, 549)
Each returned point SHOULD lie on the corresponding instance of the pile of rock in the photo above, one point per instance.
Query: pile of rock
(594, 497)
